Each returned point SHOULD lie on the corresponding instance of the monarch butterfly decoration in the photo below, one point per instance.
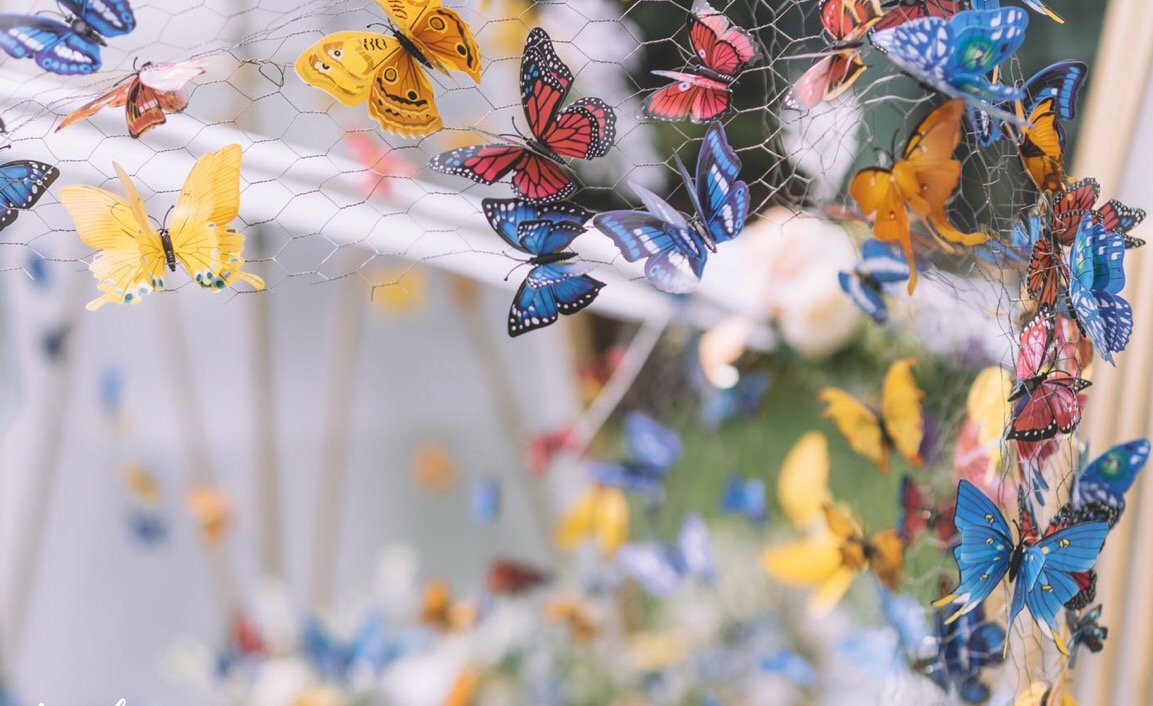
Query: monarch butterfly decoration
(899, 425)
(586, 129)
(388, 73)
(134, 253)
(146, 96)
(704, 92)
(921, 182)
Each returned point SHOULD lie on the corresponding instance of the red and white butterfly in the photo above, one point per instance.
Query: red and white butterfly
(1079, 198)
(586, 129)
(704, 92)
(146, 96)
(1046, 396)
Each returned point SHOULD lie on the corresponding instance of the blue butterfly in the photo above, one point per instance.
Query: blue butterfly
(1036, 5)
(653, 450)
(1061, 81)
(22, 183)
(964, 648)
(553, 286)
(1039, 568)
(675, 249)
(147, 526)
(1096, 276)
(1086, 630)
(37, 269)
(955, 55)
(745, 497)
(112, 391)
(880, 265)
(485, 502)
(661, 568)
(718, 405)
(69, 47)
(907, 618)
(791, 666)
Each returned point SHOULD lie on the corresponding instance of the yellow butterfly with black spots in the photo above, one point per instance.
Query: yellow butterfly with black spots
(386, 71)
(134, 253)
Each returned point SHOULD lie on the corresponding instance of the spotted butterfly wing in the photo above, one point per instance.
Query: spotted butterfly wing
(22, 183)
(1048, 275)
(1036, 5)
(71, 47)
(1062, 82)
(1045, 396)
(1069, 205)
(554, 286)
(880, 265)
(1119, 218)
(724, 51)
(1096, 277)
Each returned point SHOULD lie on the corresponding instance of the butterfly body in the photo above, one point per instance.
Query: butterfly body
(674, 247)
(70, 47)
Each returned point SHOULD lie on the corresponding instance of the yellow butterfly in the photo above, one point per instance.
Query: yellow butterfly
(433, 467)
(439, 610)
(803, 485)
(899, 425)
(602, 512)
(355, 67)
(990, 410)
(134, 253)
(212, 511)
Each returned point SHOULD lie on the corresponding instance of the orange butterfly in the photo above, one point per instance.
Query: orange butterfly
(146, 96)
(921, 182)
(213, 512)
(1042, 147)
(439, 610)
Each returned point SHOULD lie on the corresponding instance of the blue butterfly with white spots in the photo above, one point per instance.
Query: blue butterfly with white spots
(1040, 568)
(71, 46)
(653, 450)
(675, 248)
(661, 568)
(553, 286)
(1035, 5)
(1062, 81)
(964, 648)
(880, 265)
(1096, 278)
(22, 183)
(954, 56)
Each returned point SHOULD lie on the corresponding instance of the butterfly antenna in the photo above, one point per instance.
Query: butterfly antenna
(516, 267)
(166, 215)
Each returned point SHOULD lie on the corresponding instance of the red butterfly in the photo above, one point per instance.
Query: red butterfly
(543, 448)
(145, 96)
(907, 10)
(1069, 206)
(1048, 276)
(1119, 218)
(917, 513)
(724, 52)
(509, 577)
(584, 130)
(847, 22)
(382, 164)
(1046, 395)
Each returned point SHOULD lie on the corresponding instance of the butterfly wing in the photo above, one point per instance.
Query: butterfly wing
(1119, 218)
(1069, 205)
(1046, 570)
(695, 548)
(652, 565)
(401, 97)
(985, 549)
(858, 424)
(723, 198)
(651, 444)
(803, 485)
(1061, 82)
(865, 294)
(506, 215)
(1048, 275)
(908, 10)
(586, 129)
(1042, 148)
(439, 34)
(115, 98)
(1052, 408)
(22, 183)
(982, 40)
(548, 291)
(143, 109)
(721, 46)
(825, 80)
(876, 191)
(1096, 274)
(111, 18)
(674, 253)
(901, 411)
(881, 263)
(54, 46)
(698, 98)
(1110, 475)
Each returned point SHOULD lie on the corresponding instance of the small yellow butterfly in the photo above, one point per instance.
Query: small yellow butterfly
(602, 512)
(134, 253)
(212, 511)
(355, 67)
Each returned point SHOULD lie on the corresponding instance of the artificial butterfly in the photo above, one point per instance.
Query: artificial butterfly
(485, 502)
(146, 96)
(832, 557)
(1061, 81)
(705, 92)
(675, 249)
(385, 72)
(134, 253)
(1040, 569)
(653, 449)
(146, 522)
(575, 613)
(1119, 218)
(509, 577)
(553, 286)
(921, 181)
(545, 446)
(69, 47)
(906, 617)
(1096, 278)
(803, 484)
(1047, 278)
(662, 569)
(602, 512)
(1035, 5)
(865, 284)
(899, 425)
(964, 648)
(846, 21)
(787, 664)
(988, 415)
(898, 12)
(440, 611)
(585, 129)
(917, 513)
(212, 511)
(718, 405)
(22, 183)
(433, 466)
(382, 164)
(1085, 629)
(1041, 146)
(954, 56)
(1073, 201)
(745, 497)
(337, 659)
(1045, 395)
(1108, 477)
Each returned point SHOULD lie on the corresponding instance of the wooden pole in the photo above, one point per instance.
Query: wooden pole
(270, 547)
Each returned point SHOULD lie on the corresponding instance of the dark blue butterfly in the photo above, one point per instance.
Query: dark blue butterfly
(674, 248)
(1096, 277)
(1061, 81)
(22, 184)
(553, 286)
(1109, 477)
(653, 449)
(69, 47)
(1085, 629)
(661, 568)
(1040, 568)
(147, 526)
(955, 56)
(964, 648)
(719, 404)
(880, 265)
(745, 497)
(485, 502)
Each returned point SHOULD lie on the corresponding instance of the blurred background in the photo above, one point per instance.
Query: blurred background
(345, 489)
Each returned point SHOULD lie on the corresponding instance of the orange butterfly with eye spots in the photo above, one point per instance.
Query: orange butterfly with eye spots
(920, 182)
(386, 72)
